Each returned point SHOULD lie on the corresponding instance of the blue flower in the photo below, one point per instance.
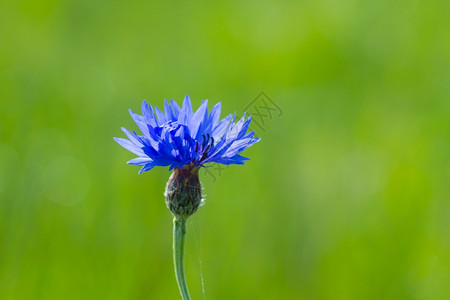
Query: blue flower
(181, 138)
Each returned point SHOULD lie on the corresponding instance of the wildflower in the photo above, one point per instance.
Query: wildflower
(185, 141)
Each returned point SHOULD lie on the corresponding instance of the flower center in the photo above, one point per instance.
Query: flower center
(202, 147)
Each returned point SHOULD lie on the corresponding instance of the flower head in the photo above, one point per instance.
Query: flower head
(182, 138)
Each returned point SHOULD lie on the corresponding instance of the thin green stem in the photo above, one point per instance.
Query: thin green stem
(179, 237)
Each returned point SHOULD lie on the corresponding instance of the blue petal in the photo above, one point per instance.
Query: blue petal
(140, 122)
(237, 160)
(219, 150)
(237, 147)
(235, 129)
(250, 134)
(179, 139)
(160, 115)
(244, 128)
(133, 138)
(147, 167)
(214, 117)
(176, 108)
(130, 146)
(198, 119)
(168, 112)
(149, 115)
(186, 112)
(221, 128)
(140, 161)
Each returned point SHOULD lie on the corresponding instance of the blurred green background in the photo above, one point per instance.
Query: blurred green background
(345, 197)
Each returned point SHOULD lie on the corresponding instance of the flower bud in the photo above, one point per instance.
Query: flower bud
(184, 192)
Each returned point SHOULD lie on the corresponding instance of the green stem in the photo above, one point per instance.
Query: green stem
(179, 237)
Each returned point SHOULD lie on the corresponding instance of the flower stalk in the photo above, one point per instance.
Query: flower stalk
(179, 238)
(183, 198)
